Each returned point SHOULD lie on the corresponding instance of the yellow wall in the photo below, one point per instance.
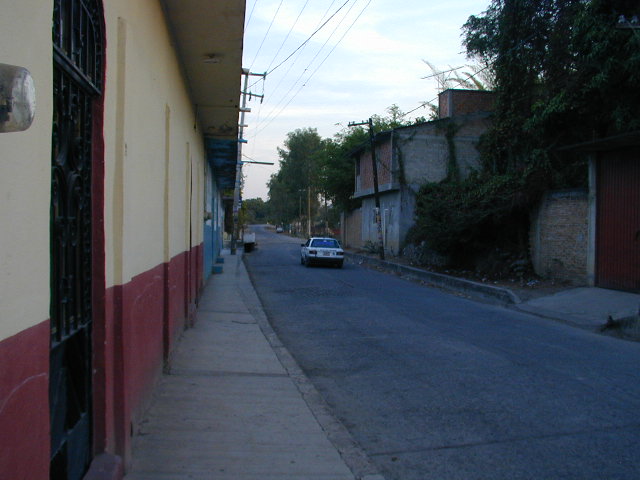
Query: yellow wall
(25, 159)
(150, 145)
(151, 150)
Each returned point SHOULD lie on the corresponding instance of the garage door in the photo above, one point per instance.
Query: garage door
(618, 220)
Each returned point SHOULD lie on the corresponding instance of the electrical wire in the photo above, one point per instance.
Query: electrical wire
(274, 113)
(266, 34)
(307, 68)
(250, 14)
(309, 38)
(316, 70)
(286, 74)
(288, 33)
(340, 40)
(300, 51)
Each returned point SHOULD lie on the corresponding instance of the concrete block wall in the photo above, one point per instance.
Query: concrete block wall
(351, 226)
(425, 151)
(364, 220)
(424, 154)
(559, 236)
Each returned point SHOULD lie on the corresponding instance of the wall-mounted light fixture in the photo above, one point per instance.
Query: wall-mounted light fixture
(17, 98)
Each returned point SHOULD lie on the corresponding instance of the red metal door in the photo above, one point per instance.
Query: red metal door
(618, 220)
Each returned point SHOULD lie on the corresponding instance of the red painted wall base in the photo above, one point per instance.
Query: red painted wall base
(24, 404)
(143, 321)
(135, 328)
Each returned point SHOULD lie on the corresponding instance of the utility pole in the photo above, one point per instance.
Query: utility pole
(376, 192)
(309, 209)
(238, 182)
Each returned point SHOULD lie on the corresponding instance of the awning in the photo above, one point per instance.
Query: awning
(222, 156)
(209, 39)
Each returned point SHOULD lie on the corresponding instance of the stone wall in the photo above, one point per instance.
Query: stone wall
(559, 236)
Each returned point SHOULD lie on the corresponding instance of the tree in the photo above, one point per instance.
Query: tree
(298, 176)
(337, 180)
(255, 210)
(476, 77)
(315, 171)
(564, 75)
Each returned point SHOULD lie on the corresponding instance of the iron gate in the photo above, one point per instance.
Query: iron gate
(77, 53)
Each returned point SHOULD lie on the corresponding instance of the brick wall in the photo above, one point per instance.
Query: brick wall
(559, 236)
(384, 163)
(452, 103)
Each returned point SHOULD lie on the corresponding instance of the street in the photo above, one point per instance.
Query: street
(433, 386)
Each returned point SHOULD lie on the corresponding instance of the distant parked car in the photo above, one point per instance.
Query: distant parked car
(322, 250)
(279, 229)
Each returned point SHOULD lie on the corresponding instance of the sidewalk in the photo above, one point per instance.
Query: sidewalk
(229, 409)
(235, 405)
(585, 307)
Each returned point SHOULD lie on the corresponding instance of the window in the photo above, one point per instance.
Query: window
(325, 243)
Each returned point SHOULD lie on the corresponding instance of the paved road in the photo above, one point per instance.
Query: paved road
(433, 386)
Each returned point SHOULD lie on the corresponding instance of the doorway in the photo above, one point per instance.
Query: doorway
(77, 78)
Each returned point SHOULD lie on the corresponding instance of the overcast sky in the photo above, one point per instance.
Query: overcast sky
(368, 56)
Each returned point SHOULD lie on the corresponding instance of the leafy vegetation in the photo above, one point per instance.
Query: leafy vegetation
(254, 211)
(564, 74)
(476, 77)
(318, 174)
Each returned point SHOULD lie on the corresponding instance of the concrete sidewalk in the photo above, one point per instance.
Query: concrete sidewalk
(586, 307)
(235, 406)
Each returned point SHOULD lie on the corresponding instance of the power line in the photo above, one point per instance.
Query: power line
(313, 73)
(422, 105)
(251, 14)
(288, 33)
(293, 85)
(340, 40)
(266, 34)
(310, 37)
(291, 66)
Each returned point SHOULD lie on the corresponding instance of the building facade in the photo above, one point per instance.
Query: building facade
(407, 158)
(112, 213)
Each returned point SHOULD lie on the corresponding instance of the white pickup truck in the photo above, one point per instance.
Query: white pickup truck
(249, 240)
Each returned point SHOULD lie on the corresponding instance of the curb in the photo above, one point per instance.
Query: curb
(489, 293)
(351, 453)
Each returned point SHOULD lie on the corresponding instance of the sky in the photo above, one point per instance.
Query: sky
(332, 62)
